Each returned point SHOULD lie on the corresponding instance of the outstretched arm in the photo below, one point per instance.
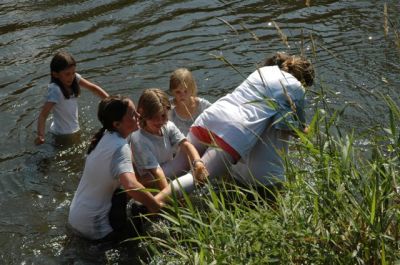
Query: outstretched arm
(94, 88)
(159, 177)
(136, 190)
(41, 125)
(200, 172)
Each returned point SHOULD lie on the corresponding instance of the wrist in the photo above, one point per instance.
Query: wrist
(196, 162)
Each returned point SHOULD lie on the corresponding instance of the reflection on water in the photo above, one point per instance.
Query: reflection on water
(127, 46)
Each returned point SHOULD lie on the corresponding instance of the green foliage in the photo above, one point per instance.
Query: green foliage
(340, 206)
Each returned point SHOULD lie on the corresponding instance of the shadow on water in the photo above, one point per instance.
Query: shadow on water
(77, 250)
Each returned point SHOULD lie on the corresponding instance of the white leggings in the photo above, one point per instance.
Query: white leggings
(216, 160)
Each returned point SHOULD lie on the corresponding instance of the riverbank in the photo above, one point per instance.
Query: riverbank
(340, 205)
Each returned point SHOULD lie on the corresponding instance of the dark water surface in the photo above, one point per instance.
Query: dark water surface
(126, 46)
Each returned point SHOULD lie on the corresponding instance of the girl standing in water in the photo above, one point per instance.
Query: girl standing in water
(61, 99)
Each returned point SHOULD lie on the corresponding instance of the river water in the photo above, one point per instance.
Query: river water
(126, 46)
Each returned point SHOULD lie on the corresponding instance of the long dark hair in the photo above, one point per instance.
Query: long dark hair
(63, 60)
(111, 109)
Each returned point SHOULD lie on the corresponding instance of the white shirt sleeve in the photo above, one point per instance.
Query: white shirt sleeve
(121, 161)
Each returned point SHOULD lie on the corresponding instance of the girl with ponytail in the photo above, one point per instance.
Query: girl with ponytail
(247, 130)
(98, 209)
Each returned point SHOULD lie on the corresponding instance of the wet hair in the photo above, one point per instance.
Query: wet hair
(63, 60)
(183, 77)
(298, 66)
(110, 110)
(277, 59)
(151, 102)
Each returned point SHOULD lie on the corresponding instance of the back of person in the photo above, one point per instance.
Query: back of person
(245, 111)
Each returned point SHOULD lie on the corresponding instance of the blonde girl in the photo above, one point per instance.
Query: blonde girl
(61, 98)
(186, 105)
(154, 143)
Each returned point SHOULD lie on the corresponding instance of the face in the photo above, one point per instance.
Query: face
(130, 121)
(181, 93)
(66, 76)
(154, 124)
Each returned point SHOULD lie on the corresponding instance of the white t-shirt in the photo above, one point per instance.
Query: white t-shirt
(151, 151)
(65, 111)
(184, 124)
(240, 117)
(90, 207)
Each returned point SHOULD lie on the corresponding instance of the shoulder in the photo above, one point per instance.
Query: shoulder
(54, 93)
(115, 138)
(78, 77)
(123, 150)
(135, 136)
(140, 139)
(53, 87)
(170, 126)
(203, 103)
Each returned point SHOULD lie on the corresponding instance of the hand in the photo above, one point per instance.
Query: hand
(39, 140)
(155, 208)
(200, 172)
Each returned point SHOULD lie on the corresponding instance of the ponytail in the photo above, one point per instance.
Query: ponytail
(95, 140)
(300, 68)
(110, 110)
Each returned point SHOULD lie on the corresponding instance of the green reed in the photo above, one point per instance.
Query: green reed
(340, 205)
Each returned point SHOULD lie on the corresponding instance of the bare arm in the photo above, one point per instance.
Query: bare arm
(189, 150)
(135, 190)
(41, 125)
(93, 88)
(200, 172)
(159, 176)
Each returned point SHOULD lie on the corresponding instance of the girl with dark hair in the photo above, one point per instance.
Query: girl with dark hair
(61, 99)
(98, 209)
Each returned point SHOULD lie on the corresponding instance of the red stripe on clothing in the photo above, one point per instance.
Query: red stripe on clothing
(208, 137)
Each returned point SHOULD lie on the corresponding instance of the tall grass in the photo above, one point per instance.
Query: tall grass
(341, 205)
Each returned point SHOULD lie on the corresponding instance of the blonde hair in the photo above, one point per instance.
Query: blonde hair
(183, 77)
(151, 102)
